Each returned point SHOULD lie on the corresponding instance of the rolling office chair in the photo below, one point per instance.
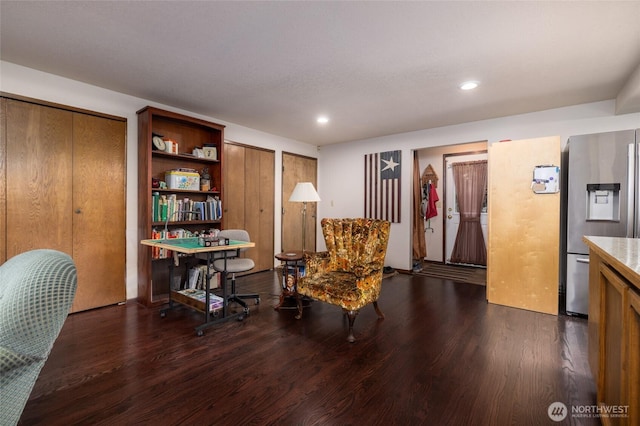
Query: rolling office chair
(235, 264)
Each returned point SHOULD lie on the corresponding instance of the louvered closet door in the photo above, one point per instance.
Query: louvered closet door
(39, 178)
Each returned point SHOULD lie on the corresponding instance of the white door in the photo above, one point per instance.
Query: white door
(451, 206)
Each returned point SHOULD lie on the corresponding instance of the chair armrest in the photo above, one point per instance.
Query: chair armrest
(317, 262)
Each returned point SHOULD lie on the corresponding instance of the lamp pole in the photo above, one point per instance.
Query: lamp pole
(304, 223)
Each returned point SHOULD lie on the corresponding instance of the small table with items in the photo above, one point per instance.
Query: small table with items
(192, 246)
(292, 262)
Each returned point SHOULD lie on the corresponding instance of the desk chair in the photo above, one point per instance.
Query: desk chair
(235, 263)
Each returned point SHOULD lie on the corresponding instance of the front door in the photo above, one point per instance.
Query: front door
(452, 217)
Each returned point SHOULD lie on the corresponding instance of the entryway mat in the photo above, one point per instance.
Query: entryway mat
(463, 274)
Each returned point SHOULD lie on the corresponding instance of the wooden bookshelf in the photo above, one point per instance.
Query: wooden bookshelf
(189, 133)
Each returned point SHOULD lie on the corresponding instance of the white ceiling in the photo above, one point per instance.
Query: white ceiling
(375, 68)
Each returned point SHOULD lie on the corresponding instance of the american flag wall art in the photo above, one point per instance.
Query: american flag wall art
(382, 186)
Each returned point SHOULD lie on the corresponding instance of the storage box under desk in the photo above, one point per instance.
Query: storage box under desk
(197, 304)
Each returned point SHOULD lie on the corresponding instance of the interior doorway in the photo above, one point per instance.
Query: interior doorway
(434, 232)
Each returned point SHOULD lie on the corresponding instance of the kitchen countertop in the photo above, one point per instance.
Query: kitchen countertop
(623, 254)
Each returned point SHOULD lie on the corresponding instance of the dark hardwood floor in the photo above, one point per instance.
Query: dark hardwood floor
(442, 356)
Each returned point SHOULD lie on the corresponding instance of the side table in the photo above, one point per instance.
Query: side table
(291, 261)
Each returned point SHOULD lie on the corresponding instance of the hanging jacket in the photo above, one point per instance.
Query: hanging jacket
(431, 203)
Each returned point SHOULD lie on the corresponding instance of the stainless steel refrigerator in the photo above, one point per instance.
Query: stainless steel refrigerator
(601, 196)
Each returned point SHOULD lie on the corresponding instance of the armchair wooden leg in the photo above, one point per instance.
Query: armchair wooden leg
(378, 311)
(352, 317)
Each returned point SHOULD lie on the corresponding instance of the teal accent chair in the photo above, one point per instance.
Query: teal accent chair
(36, 292)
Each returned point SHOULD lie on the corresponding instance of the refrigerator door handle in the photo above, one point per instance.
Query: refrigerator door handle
(582, 260)
(631, 185)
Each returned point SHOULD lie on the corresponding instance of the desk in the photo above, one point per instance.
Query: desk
(190, 246)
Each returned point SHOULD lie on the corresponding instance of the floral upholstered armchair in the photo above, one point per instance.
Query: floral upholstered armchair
(349, 273)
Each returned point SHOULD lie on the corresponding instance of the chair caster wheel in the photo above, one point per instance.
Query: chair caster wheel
(240, 318)
(257, 301)
(163, 314)
(199, 333)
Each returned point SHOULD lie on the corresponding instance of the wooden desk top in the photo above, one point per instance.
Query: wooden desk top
(191, 246)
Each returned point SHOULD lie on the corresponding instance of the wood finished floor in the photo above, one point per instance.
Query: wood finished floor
(442, 356)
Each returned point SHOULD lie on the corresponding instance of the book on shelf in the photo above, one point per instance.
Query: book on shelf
(184, 210)
(215, 301)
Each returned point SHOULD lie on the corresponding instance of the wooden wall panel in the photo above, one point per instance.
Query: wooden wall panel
(524, 227)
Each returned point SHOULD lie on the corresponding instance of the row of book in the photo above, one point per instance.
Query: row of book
(159, 252)
(197, 278)
(168, 206)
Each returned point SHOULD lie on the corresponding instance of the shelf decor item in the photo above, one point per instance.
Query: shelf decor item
(210, 151)
(205, 180)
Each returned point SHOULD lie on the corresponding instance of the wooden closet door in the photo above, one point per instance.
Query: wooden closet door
(259, 204)
(234, 187)
(99, 210)
(297, 168)
(249, 176)
(39, 173)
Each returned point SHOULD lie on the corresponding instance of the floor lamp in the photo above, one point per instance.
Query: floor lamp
(304, 192)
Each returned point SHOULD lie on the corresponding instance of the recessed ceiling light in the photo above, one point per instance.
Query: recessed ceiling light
(469, 85)
(322, 119)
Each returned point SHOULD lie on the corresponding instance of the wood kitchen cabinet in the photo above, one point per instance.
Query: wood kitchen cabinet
(614, 327)
(63, 188)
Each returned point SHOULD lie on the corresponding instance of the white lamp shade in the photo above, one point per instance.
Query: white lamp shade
(304, 192)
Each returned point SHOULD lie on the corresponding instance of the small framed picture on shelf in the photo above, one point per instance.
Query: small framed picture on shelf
(210, 152)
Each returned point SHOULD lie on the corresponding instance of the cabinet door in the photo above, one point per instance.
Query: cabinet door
(633, 357)
(613, 370)
(39, 178)
(99, 210)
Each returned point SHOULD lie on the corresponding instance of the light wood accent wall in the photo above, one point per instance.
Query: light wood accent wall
(524, 227)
